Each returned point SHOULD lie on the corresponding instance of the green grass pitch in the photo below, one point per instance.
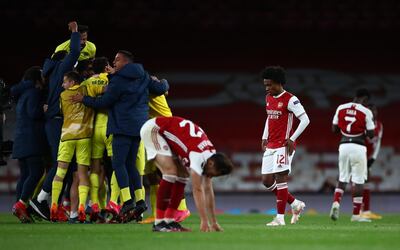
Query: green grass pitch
(241, 232)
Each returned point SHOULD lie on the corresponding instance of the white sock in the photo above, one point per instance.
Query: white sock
(158, 221)
(74, 214)
(42, 196)
(280, 216)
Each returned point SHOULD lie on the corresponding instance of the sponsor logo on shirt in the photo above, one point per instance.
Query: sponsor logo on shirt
(296, 102)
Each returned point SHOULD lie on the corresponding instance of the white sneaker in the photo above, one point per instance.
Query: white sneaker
(358, 218)
(297, 207)
(276, 222)
(334, 214)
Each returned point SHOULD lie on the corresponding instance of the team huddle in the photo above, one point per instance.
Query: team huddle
(87, 133)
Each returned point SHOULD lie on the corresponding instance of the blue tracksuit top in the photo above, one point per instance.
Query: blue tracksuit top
(55, 71)
(127, 98)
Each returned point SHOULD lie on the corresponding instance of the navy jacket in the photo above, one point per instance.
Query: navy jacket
(55, 71)
(29, 138)
(127, 98)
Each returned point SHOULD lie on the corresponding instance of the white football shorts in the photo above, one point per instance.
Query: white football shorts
(352, 163)
(276, 160)
(153, 142)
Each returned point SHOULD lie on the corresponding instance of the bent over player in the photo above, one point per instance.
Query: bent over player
(354, 121)
(278, 142)
(178, 146)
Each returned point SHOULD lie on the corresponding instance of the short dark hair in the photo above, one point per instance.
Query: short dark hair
(33, 74)
(83, 28)
(59, 55)
(84, 65)
(363, 93)
(275, 73)
(222, 163)
(74, 76)
(127, 54)
(99, 64)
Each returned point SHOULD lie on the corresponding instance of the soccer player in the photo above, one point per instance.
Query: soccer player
(54, 70)
(159, 108)
(278, 142)
(181, 149)
(30, 139)
(127, 101)
(76, 136)
(354, 121)
(373, 147)
(87, 48)
(100, 142)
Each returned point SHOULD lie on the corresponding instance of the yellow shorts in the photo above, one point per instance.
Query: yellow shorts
(141, 159)
(66, 151)
(100, 142)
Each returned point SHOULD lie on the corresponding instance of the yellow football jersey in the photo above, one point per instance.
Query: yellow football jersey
(89, 51)
(159, 107)
(95, 86)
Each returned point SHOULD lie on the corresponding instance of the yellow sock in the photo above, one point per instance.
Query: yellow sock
(94, 187)
(182, 205)
(153, 199)
(56, 191)
(114, 189)
(83, 194)
(139, 194)
(125, 194)
(103, 196)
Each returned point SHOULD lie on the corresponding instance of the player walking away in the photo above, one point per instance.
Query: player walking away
(181, 148)
(373, 147)
(278, 142)
(354, 121)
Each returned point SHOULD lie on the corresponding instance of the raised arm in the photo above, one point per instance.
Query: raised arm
(73, 55)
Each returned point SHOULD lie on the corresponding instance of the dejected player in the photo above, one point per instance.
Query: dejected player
(278, 142)
(354, 121)
(178, 146)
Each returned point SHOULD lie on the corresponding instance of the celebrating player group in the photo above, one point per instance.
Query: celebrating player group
(88, 132)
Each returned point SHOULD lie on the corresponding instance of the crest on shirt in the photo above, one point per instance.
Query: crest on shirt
(165, 147)
(296, 102)
(280, 104)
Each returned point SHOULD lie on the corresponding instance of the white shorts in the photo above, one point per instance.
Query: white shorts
(153, 142)
(276, 160)
(352, 163)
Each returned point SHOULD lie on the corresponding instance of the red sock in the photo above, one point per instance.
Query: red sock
(338, 195)
(357, 202)
(281, 197)
(366, 195)
(290, 197)
(163, 197)
(178, 190)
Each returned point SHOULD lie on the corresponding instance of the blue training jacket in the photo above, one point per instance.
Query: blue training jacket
(29, 135)
(55, 71)
(127, 98)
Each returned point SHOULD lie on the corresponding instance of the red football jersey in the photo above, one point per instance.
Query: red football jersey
(187, 141)
(280, 110)
(353, 119)
(374, 144)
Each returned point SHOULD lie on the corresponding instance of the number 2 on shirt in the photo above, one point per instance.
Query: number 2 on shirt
(192, 133)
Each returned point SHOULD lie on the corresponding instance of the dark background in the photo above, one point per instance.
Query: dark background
(347, 35)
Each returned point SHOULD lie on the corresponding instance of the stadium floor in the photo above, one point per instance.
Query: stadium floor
(241, 232)
(265, 203)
